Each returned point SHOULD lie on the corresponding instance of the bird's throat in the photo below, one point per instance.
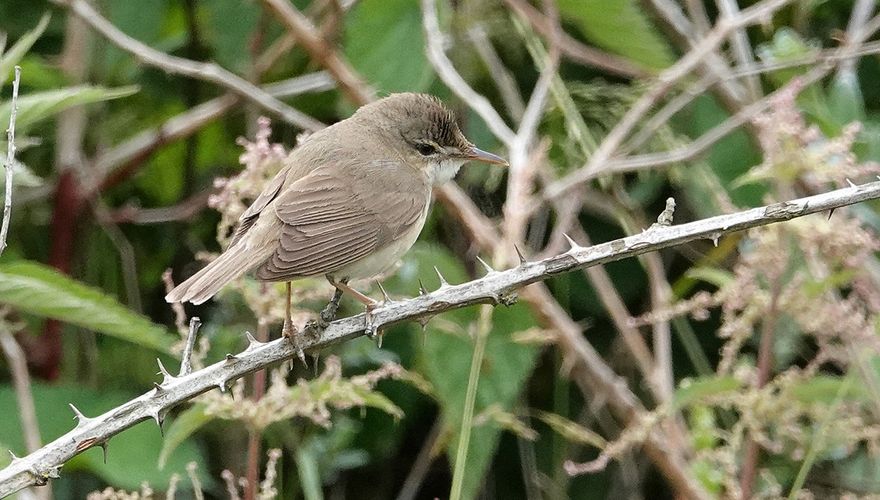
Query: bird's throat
(443, 171)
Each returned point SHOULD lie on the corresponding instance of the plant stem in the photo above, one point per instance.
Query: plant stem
(482, 336)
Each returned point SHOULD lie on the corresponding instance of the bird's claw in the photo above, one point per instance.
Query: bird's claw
(288, 331)
(291, 333)
(371, 329)
(328, 314)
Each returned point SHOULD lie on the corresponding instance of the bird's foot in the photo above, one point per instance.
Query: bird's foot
(328, 314)
(290, 332)
(371, 328)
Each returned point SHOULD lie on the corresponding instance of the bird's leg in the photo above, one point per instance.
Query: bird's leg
(288, 330)
(368, 303)
(328, 314)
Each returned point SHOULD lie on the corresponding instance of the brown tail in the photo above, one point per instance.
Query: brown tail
(203, 285)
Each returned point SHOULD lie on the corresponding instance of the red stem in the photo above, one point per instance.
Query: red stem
(45, 356)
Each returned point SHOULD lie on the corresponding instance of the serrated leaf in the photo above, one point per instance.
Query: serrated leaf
(11, 57)
(42, 291)
(186, 423)
(602, 23)
(41, 105)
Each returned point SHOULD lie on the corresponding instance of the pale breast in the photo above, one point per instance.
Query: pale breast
(384, 258)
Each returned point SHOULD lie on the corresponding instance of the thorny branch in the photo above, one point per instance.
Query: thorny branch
(496, 287)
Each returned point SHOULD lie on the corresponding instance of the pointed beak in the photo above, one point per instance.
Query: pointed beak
(479, 155)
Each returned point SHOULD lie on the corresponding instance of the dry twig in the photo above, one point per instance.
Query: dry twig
(10, 160)
(306, 34)
(193, 69)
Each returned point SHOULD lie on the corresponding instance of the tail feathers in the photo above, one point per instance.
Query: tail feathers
(203, 285)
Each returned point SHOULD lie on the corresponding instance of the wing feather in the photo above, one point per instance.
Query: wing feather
(330, 220)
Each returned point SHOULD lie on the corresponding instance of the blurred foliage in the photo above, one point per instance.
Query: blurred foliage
(365, 418)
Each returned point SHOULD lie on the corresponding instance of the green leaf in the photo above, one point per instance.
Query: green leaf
(40, 290)
(22, 176)
(384, 43)
(41, 105)
(846, 102)
(712, 275)
(571, 431)
(309, 473)
(446, 356)
(132, 455)
(691, 391)
(11, 57)
(186, 423)
(229, 28)
(826, 389)
(603, 22)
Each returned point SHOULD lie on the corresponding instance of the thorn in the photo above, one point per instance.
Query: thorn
(253, 343)
(422, 290)
(222, 386)
(230, 358)
(488, 268)
(385, 296)
(80, 418)
(443, 281)
(158, 387)
(14, 457)
(851, 183)
(519, 254)
(302, 357)
(166, 375)
(830, 213)
(160, 419)
(103, 445)
(571, 243)
(380, 335)
(715, 240)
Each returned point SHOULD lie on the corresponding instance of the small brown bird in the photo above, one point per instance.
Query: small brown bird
(348, 203)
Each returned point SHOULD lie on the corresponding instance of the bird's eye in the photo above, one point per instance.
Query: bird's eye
(425, 149)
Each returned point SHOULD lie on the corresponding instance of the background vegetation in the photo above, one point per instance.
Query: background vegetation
(745, 366)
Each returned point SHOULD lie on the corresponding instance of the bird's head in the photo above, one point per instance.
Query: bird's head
(425, 134)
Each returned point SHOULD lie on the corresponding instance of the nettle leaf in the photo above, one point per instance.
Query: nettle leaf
(41, 105)
(42, 291)
(602, 23)
(13, 56)
(445, 359)
(186, 423)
